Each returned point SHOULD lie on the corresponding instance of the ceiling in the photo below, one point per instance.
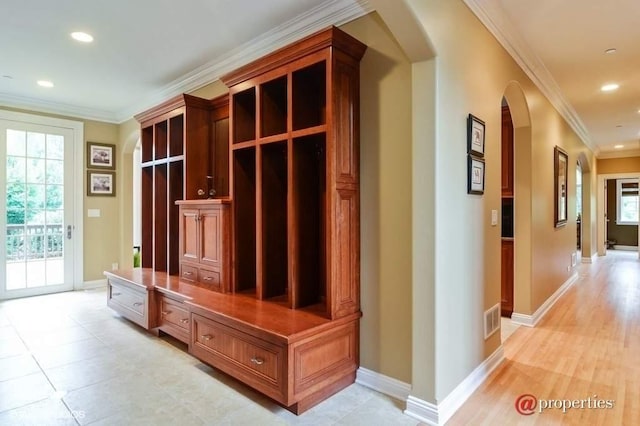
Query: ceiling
(561, 45)
(146, 51)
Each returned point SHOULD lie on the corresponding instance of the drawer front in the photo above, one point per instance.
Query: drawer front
(258, 363)
(209, 279)
(129, 300)
(188, 272)
(174, 313)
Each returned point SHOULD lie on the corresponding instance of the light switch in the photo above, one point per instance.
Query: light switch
(494, 217)
(93, 212)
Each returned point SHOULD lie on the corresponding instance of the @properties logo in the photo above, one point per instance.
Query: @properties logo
(526, 404)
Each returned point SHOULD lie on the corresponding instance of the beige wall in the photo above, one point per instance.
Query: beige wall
(385, 183)
(609, 166)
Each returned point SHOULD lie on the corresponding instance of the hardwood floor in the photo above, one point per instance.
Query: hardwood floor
(587, 348)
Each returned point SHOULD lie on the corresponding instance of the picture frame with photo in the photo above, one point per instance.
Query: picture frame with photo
(101, 183)
(101, 156)
(475, 136)
(475, 175)
(561, 183)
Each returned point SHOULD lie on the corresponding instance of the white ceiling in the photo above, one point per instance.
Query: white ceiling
(146, 51)
(561, 44)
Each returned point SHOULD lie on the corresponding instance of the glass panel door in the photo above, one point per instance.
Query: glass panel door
(38, 209)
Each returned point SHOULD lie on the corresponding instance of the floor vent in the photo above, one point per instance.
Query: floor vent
(491, 321)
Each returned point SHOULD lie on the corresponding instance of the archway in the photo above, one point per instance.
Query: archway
(129, 136)
(521, 120)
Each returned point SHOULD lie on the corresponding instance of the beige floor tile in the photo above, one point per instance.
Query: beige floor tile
(24, 390)
(7, 332)
(17, 366)
(49, 412)
(12, 347)
(38, 339)
(70, 352)
(379, 410)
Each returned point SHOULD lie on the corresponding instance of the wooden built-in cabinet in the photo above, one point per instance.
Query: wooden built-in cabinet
(205, 242)
(507, 276)
(263, 284)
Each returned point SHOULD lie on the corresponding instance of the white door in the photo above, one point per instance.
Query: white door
(36, 209)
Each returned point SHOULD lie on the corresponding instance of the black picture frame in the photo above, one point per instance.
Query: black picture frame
(560, 186)
(475, 175)
(475, 136)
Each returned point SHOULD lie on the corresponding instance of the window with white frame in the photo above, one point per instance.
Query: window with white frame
(628, 204)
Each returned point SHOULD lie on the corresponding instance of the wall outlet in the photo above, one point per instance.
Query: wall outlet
(114, 266)
(574, 259)
(494, 217)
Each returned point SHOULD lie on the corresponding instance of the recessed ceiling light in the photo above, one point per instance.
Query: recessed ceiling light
(610, 51)
(618, 146)
(610, 87)
(83, 37)
(45, 83)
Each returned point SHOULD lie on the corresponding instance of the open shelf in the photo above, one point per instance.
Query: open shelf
(309, 204)
(160, 140)
(244, 118)
(176, 135)
(309, 96)
(160, 218)
(147, 144)
(244, 208)
(147, 217)
(273, 107)
(175, 194)
(274, 184)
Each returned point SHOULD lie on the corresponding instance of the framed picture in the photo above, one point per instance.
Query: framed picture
(475, 172)
(101, 156)
(101, 183)
(560, 181)
(475, 136)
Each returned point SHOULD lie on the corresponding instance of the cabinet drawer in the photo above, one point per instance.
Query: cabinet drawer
(256, 362)
(174, 313)
(188, 272)
(209, 279)
(127, 299)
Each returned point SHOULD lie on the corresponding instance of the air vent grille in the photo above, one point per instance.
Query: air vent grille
(491, 321)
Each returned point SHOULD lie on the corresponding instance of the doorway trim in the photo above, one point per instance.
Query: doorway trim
(602, 250)
(77, 128)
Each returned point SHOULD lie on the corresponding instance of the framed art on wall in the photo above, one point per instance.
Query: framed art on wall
(101, 156)
(560, 180)
(475, 136)
(101, 183)
(475, 175)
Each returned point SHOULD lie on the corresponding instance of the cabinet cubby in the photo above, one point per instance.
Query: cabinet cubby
(244, 117)
(147, 217)
(309, 96)
(244, 215)
(146, 140)
(273, 107)
(274, 183)
(160, 140)
(309, 204)
(160, 211)
(176, 135)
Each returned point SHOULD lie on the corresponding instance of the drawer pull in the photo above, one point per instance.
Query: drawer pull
(257, 360)
(115, 294)
(188, 273)
(166, 313)
(206, 337)
(137, 304)
(185, 320)
(208, 278)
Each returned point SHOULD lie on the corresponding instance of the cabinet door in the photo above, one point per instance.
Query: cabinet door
(189, 235)
(211, 237)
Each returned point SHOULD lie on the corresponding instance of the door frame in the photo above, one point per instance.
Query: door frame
(77, 129)
(601, 224)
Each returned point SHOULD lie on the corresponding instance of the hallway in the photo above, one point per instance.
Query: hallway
(586, 349)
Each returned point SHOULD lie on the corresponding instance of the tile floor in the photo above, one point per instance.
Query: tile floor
(67, 359)
(507, 328)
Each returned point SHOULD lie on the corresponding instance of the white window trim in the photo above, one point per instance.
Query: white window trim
(619, 191)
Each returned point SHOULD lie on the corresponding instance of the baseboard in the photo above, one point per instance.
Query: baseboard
(533, 320)
(439, 414)
(383, 384)
(625, 248)
(88, 285)
(591, 259)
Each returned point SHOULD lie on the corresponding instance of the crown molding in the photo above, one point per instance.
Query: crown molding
(493, 17)
(623, 153)
(331, 12)
(57, 108)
